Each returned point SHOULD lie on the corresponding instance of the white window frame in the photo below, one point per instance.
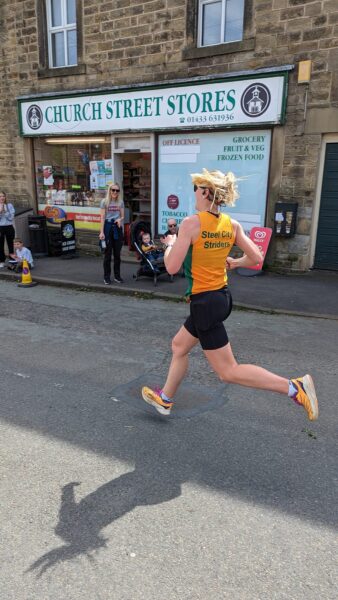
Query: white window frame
(63, 28)
(201, 5)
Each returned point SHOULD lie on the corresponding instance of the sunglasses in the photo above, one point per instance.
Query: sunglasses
(201, 187)
(114, 190)
(172, 225)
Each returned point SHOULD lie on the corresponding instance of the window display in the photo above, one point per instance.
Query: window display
(245, 153)
(73, 175)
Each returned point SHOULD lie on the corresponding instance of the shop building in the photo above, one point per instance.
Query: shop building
(149, 139)
(146, 93)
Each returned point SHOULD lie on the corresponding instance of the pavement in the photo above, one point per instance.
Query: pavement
(311, 294)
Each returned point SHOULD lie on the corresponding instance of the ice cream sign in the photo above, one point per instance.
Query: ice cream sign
(202, 104)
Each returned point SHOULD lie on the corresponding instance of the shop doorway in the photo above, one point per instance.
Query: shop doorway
(133, 173)
(133, 168)
(136, 184)
(326, 253)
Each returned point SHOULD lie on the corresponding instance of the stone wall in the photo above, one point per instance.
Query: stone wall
(131, 41)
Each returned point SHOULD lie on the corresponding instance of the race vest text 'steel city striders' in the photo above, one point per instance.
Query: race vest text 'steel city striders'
(205, 263)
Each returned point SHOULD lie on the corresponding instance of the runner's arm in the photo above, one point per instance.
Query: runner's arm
(178, 246)
(252, 255)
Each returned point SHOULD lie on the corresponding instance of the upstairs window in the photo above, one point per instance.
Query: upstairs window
(62, 33)
(220, 21)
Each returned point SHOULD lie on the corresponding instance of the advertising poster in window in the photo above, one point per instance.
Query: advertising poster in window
(245, 153)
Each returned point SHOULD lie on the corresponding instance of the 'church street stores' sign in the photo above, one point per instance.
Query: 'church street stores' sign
(206, 104)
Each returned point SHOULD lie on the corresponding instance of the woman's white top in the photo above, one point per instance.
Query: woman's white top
(7, 215)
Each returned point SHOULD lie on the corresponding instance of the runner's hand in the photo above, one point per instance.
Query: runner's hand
(169, 240)
(230, 263)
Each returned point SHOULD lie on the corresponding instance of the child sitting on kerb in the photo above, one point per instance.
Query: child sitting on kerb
(152, 252)
(21, 253)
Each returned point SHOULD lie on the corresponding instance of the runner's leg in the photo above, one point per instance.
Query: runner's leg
(225, 365)
(182, 343)
(301, 389)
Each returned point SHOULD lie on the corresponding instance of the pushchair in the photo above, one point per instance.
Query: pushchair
(146, 268)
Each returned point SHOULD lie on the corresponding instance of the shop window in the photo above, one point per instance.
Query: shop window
(230, 147)
(60, 37)
(220, 21)
(73, 175)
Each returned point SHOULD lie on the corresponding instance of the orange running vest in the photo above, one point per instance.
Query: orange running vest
(204, 265)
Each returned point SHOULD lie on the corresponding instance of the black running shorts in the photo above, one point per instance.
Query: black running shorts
(208, 310)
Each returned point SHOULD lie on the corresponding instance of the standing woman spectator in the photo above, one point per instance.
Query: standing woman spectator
(7, 231)
(112, 216)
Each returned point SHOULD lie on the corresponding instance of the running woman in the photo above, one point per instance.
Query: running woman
(203, 243)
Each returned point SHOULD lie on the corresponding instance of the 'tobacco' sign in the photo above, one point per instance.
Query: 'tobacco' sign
(202, 104)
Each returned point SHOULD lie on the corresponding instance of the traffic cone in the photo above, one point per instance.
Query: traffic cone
(26, 278)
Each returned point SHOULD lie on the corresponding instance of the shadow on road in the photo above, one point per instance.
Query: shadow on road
(80, 524)
(222, 450)
(155, 480)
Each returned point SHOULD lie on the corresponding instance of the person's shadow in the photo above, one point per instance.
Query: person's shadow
(154, 480)
(251, 463)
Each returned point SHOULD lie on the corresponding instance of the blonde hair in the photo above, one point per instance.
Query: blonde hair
(222, 186)
(107, 199)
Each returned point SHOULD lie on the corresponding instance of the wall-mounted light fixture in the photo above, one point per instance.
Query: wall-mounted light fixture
(77, 140)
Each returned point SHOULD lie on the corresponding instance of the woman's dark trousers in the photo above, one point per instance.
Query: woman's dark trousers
(6, 231)
(114, 241)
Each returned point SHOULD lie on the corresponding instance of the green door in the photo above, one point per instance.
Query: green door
(326, 256)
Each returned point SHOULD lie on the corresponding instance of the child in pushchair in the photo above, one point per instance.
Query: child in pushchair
(152, 259)
(152, 252)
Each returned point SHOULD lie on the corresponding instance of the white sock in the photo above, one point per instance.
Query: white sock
(165, 397)
(292, 389)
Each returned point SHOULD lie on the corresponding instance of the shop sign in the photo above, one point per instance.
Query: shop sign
(261, 237)
(84, 217)
(68, 243)
(204, 104)
(245, 152)
(54, 214)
